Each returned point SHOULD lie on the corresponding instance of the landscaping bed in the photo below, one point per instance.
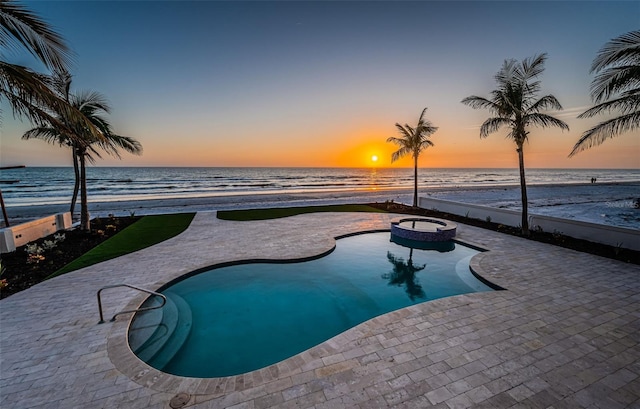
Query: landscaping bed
(617, 253)
(22, 269)
(73, 249)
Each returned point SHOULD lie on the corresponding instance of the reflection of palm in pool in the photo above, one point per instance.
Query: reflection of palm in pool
(405, 273)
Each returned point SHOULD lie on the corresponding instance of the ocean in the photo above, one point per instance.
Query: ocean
(565, 193)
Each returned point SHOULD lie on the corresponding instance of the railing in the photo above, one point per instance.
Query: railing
(164, 300)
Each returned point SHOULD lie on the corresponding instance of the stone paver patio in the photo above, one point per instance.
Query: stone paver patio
(564, 334)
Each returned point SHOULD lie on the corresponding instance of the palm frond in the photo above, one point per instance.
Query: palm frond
(113, 143)
(425, 127)
(544, 121)
(405, 130)
(91, 102)
(618, 68)
(27, 93)
(606, 130)
(426, 143)
(624, 49)
(531, 68)
(615, 80)
(507, 72)
(29, 96)
(20, 27)
(47, 134)
(625, 104)
(428, 129)
(91, 154)
(397, 141)
(400, 153)
(546, 102)
(61, 83)
(421, 119)
(492, 125)
(476, 102)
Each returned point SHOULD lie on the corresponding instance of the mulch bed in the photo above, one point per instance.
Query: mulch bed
(21, 274)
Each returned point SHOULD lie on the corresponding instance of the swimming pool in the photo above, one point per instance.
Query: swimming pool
(235, 319)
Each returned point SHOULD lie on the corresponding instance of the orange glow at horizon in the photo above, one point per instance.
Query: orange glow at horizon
(354, 146)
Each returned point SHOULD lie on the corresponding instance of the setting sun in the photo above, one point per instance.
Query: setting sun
(374, 158)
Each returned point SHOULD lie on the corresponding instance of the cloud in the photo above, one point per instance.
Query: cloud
(569, 112)
(565, 113)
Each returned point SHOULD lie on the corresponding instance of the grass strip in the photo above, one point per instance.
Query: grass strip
(146, 232)
(278, 212)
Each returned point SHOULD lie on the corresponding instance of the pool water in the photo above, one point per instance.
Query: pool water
(235, 319)
(421, 225)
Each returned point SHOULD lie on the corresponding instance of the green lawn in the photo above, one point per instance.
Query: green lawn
(151, 230)
(145, 232)
(275, 213)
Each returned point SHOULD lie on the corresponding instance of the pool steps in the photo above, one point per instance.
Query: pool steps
(145, 324)
(465, 274)
(170, 329)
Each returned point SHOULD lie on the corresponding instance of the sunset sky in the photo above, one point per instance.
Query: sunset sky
(323, 83)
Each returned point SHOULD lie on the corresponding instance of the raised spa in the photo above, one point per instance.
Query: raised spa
(424, 230)
(235, 319)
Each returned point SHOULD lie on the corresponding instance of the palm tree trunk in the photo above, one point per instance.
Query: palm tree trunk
(523, 192)
(76, 185)
(84, 206)
(415, 181)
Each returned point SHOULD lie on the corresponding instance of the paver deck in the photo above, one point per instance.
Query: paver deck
(564, 334)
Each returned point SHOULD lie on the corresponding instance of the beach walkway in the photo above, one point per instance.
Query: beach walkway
(564, 334)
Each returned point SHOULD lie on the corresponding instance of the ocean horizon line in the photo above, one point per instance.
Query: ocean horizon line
(15, 167)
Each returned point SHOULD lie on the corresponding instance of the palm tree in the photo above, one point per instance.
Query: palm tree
(516, 106)
(412, 142)
(616, 87)
(82, 141)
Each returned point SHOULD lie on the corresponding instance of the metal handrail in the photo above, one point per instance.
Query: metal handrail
(164, 300)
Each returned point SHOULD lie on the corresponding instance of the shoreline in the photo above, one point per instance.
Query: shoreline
(21, 214)
(233, 200)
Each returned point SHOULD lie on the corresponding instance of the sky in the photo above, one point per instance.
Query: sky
(322, 84)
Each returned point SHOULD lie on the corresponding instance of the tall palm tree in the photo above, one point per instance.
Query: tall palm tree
(412, 142)
(616, 87)
(515, 105)
(82, 141)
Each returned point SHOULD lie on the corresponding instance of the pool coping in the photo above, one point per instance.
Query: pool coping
(204, 389)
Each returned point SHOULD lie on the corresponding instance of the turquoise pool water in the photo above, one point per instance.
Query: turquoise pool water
(235, 319)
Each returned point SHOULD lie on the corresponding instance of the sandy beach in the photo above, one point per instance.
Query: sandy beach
(604, 203)
(21, 214)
